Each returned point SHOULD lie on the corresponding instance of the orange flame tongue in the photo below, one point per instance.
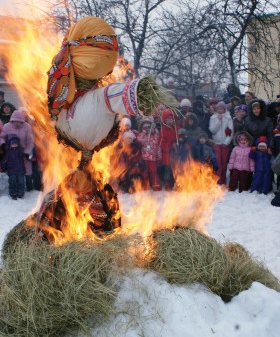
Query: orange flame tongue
(191, 205)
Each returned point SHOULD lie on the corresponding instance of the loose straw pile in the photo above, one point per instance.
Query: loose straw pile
(48, 290)
(186, 256)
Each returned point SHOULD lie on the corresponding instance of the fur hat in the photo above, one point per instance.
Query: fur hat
(221, 104)
(242, 136)
(128, 134)
(185, 103)
(17, 116)
(263, 107)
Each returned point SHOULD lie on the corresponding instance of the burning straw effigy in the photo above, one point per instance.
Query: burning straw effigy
(55, 277)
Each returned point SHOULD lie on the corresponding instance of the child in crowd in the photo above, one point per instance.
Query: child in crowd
(125, 125)
(221, 127)
(204, 153)
(240, 165)
(240, 113)
(134, 169)
(168, 137)
(181, 152)
(23, 130)
(13, 164)
(262, 174)
(149, 139)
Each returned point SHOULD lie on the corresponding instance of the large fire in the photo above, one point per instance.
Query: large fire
(29, 50)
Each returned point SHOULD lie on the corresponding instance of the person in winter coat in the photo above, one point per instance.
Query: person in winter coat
(232, 90)
(240, 114)
(125, 125)
(13, 164)
(276, 143)
(134, 169)
(257, 124)
(192, 127)
(185, 108)
(276, 136)
(204, 153)
(149, 139)
(221, 127)
(6, 111)
(273, 110)
(262, 174)
(240, 165)
(22, 129)
(203, 116)
(168, 136)
(181, 151)
(212, 106)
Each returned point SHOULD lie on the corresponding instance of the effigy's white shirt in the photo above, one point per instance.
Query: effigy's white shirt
(91, 117)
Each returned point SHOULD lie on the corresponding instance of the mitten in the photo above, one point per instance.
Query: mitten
(228, 132)
(28, 156)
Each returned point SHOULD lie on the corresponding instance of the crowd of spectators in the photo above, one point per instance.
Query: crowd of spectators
(237, 136)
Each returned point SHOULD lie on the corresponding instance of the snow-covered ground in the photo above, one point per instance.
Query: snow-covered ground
(147, 305)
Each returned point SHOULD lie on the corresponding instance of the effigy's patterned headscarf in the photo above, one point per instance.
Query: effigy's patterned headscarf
(89, 51)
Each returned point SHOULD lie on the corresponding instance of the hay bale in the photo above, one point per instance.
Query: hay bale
(48, 290)
(187, 256)
(21, 233)
(244, 270)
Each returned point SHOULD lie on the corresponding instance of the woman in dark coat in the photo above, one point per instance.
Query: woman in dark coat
(203, 116)
(257, 123)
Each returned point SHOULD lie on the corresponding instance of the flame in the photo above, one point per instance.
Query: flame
(29, 49)
(189, 205)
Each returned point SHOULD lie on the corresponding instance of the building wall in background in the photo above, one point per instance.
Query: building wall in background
(265, 59)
